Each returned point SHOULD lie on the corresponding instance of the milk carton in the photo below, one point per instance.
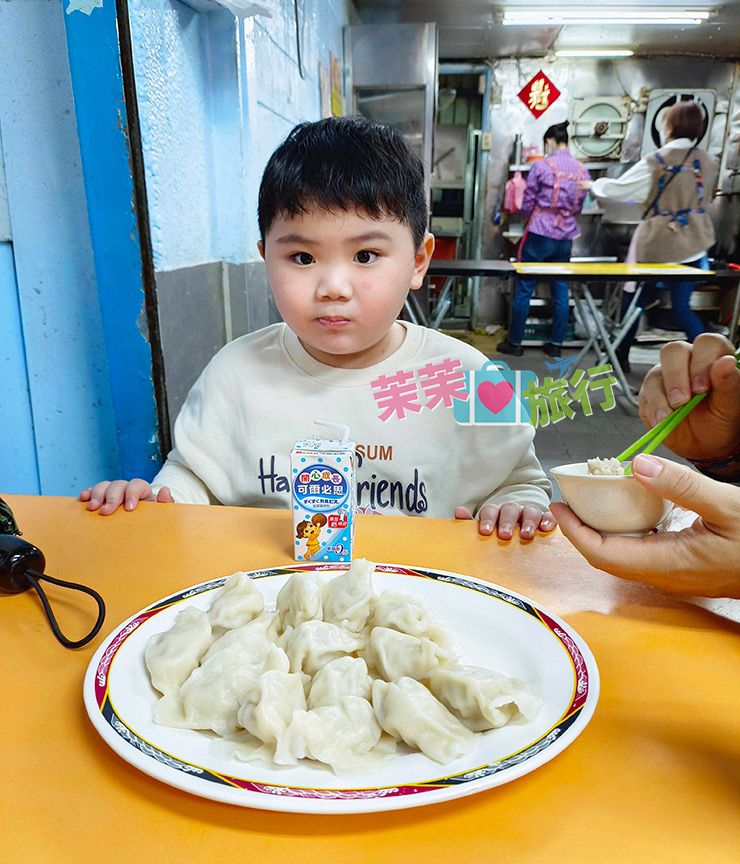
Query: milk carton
(324, 491)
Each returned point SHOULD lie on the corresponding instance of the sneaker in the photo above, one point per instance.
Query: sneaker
(550, 349)
(506, 347)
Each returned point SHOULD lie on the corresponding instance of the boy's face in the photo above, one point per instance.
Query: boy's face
(341, 279)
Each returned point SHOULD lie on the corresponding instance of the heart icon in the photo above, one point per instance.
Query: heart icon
(495, 397)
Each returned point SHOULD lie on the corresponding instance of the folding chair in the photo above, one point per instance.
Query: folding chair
(605, 328)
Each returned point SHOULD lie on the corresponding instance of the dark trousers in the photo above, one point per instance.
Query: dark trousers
(537, 247)
(684, 317)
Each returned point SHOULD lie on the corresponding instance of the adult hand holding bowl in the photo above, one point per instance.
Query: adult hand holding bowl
(610, 503)
(700, 560)
(604, 495)
(703, 559)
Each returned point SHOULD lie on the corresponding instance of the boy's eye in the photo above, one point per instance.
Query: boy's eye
(302, 258)
(365, 257)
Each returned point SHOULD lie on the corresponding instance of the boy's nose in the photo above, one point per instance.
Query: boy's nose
(333, 284)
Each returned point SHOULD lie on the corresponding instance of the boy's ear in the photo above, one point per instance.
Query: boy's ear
(261, 249)
(421, 261)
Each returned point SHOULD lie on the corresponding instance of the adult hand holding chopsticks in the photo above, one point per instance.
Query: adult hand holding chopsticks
(712, 429)
(703, 559)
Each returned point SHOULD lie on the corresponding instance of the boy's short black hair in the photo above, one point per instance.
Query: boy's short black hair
(345, 163)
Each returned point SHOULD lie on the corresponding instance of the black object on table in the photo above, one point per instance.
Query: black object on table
(22, 567)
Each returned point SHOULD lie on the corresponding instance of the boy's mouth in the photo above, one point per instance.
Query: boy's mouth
(333, 320)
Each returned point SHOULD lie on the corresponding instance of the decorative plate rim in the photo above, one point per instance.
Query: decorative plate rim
(275, 796)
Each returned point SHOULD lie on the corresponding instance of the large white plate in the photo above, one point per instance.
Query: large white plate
(496, 628)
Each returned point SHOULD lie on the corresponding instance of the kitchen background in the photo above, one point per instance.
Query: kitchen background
(134, 135)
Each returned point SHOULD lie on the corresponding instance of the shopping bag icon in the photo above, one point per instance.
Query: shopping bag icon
(495, 396)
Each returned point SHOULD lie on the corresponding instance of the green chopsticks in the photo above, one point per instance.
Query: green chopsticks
(655, 436)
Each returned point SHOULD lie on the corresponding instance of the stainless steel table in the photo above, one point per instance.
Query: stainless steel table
(604, 340)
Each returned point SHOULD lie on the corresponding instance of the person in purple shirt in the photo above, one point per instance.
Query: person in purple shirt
(551, 201)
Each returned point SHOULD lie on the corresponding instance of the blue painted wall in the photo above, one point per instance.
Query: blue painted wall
(215, 98)
(18, 464)
(214, 103)
(102, 126)
(188, 108)
(278, 96)
(55, 407)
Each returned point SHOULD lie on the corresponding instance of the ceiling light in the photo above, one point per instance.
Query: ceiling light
(595, 52)
(543, 16)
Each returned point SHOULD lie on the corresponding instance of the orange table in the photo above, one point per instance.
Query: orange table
(655, 777)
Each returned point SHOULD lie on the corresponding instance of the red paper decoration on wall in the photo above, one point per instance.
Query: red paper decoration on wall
(539, 94)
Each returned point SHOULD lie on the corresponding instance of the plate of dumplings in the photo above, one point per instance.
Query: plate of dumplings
(335, 688)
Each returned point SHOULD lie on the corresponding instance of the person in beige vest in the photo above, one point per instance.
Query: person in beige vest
(675, 184)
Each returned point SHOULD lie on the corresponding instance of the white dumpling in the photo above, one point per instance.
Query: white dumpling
(346, 676)
(170, 657)
(396, 655)
(407, 710)
(313, 644)
(253, 650)
(237, 603)
(347, 598)
(212, 695)
(269, 703)
(343, 736)
(484, 699)
(260, 626)
(299, 600)
(407, 614)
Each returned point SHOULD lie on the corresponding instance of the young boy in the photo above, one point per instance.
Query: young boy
(342, 217)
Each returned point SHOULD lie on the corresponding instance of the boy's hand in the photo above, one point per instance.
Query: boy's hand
(107, 497)
(712, 429)
(507, 516)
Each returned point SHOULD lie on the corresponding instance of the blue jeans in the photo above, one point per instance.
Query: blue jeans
(541, 249)
(684, 317)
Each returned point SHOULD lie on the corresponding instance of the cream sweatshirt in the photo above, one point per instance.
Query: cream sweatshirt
(263, 391)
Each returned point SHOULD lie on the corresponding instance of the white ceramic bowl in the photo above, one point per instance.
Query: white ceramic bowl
(610, 503)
